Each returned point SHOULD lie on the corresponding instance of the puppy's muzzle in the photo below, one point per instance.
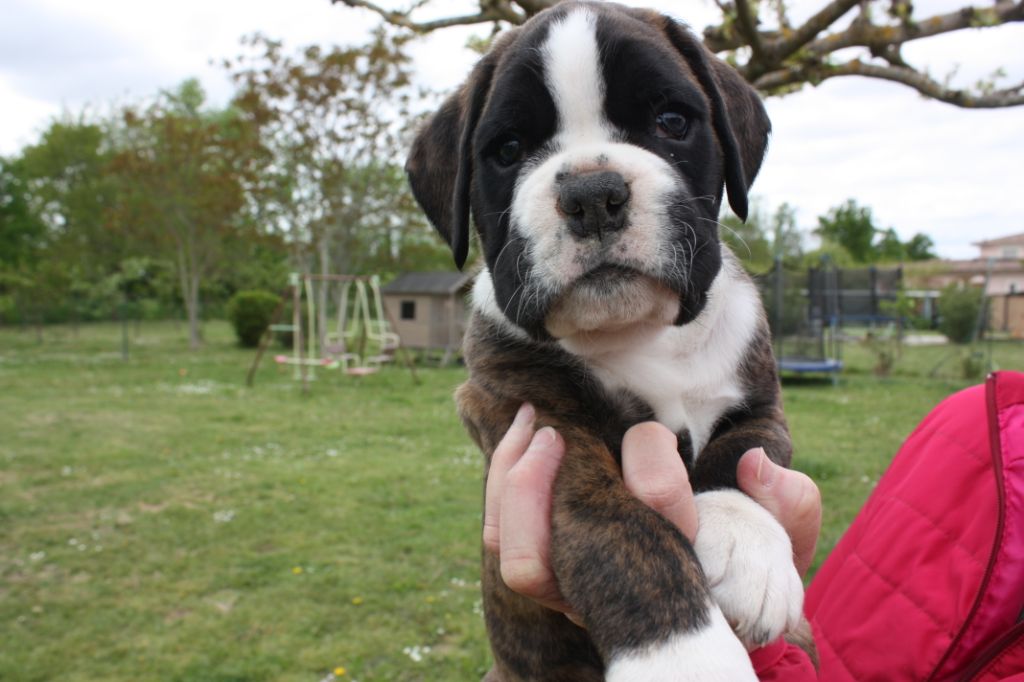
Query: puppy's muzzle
(594, 203)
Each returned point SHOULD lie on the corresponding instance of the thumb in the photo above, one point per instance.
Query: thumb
(790, 496)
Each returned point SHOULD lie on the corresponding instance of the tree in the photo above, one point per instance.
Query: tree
(332, 126)
(56, 241)
(748, 240)
(182, 170)
(843, 38)
(70, 190)
(920, 247)
(852, 228)
(760, 240)
(22, 232)
(787, 239)
(889, 247)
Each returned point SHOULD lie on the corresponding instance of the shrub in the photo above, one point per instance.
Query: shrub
(250, 313)
(958, 312)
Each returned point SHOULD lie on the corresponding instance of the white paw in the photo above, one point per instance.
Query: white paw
(748, 560)
(712, 654)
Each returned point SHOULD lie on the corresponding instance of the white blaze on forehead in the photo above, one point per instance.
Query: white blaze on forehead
(573, 75)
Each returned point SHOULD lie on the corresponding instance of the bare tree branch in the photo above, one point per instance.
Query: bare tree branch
(873, 35)
(825, 17)
(531, 7)
(783, 58)
(494, 11)
(927, 86)
(747, 23)
(721, 39)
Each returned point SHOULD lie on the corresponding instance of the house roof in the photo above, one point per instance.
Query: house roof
(428, 283)
(1003, 241)
(973, 265)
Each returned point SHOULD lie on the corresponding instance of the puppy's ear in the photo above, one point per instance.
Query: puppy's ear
(738, 115)
(440, 165)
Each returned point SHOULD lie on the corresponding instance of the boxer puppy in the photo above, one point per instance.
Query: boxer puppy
(591, 147)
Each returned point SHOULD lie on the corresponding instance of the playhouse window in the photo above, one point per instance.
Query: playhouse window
(408, 310)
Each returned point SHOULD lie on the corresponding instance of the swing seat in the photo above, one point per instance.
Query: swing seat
(361, 371)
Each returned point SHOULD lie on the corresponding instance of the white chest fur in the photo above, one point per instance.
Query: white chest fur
(689, 375)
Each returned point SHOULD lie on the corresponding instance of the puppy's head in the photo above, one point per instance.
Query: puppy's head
(591, 147)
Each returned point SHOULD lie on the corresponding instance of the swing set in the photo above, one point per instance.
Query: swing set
(358, 340)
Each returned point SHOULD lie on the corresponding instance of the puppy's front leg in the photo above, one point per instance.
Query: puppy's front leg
(746, 554)
(633, 577)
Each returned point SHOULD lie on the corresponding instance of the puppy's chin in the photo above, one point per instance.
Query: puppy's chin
(611, 301)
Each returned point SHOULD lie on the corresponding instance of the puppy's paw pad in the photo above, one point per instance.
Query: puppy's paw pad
(748, 560)
(711, 654)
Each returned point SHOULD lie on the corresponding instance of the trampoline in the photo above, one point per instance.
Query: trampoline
(803, 313)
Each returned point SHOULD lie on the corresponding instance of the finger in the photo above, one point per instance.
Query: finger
(654, 472)
(525, 530)
(791, 497)
(508, 452)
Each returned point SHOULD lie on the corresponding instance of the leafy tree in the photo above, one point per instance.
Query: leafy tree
(787, 239)
(851, 227)
(748, 240)
(889, 247)
(182, 170)
(331, 124)
(920, 247)
(22, 231)
(71, 191)
(52, 204)
(779, 55)
(760, 240)
(849, 233)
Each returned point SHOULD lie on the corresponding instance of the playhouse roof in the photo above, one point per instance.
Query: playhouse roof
(428, 283)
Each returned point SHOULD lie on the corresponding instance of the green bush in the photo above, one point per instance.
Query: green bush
(250, 313)
(958, 312)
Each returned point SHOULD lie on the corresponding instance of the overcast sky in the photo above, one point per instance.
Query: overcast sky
(922, 166)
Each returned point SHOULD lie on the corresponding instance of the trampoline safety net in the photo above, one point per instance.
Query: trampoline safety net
(807, 307)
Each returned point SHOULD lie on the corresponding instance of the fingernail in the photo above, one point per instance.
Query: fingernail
(524, 416)
(765, 469)
(543, 438)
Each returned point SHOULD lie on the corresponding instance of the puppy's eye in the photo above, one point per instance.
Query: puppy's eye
(510, 151)
(671, 124)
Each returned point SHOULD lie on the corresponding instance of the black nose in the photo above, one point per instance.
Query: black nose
(594, 203)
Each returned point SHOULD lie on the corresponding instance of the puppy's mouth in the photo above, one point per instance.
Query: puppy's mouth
(608, 275)
(611, 298)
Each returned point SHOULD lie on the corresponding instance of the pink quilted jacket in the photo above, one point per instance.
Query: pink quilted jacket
(928, 582)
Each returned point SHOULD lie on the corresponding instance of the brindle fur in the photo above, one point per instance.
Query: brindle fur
(630, 574)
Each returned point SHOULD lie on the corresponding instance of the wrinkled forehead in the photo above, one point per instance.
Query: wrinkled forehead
(581, 54)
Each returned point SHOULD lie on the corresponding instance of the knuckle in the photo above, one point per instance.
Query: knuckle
(518, 480)
(661, 494)
(491, 536)
(523, 573)
(808, 502)
(651, 431)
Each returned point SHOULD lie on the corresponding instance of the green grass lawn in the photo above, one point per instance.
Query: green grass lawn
(159, 521)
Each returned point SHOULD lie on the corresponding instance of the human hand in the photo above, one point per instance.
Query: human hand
(524, 466)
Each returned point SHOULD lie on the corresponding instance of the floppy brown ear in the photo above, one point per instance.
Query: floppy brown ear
(440, 164)
(738, 115)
